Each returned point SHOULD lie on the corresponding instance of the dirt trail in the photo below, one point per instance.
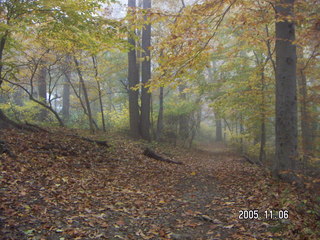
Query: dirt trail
(59, 188)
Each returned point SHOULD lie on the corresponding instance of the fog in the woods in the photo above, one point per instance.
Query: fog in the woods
(176, 119)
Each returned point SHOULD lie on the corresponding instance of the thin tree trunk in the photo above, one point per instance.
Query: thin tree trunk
(241, 133)
(81, 102)
(196, 126)
(183, 118)
(262, 152)
(286, 96)
(66, 101)
(305, 119)
(66, 92)
(160, 116)
(261, 65)
(224, 132)
(145, 77)
(133, 79)
(94, 61)
(85, 93)
(218, 127)
(2, 45)
(42, 90)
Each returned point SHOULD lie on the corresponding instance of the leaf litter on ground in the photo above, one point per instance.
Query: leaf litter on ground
(62, 188)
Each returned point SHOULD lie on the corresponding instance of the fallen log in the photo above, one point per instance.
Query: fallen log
(251, 161)
(99, 142)
(151, 154)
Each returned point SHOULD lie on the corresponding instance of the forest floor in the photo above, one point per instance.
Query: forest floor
(60, 187)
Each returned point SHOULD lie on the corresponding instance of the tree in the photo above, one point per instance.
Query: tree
(42, 90)
(160, 116)
(23, 19)
(66, 90)
(183, 118)
(133, 79)
(85, 93)
(96, 73)
(286, 89)
(145, 77)
(218, 127)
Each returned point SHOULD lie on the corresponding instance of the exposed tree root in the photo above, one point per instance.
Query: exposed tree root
(251, 161)
(99, 142)
(151, 154)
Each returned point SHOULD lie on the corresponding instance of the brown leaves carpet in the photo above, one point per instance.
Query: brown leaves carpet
(60, 188)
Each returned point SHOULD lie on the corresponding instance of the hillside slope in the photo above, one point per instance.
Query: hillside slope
(62, 187)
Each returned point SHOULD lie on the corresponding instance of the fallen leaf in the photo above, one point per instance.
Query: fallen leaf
(228, 226)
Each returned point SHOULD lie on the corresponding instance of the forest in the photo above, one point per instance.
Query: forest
(163, 119)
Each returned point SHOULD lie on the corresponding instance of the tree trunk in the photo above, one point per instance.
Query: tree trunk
(66, 101)
(42, 90)
(183, 119)
(94, 61)
(286, 97)
(145, 77)
(133, 79)
(241, 128)
(85, 93)
(196, 125)
(218, 128)
(2, 45)
(305, 119)
(160, 115)
(80, 100)
(262, 153)
(66, 93)
(224, 132)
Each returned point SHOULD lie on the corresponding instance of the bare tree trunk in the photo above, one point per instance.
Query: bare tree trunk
(133, 79)
(66, 93)
(218, 127)
(262, 152)
(145, 77)
(286, 96)
(42, 90)
(80, 100)
(66, 101)
(160, 116)
(224, 131)
(3, 119)
(261, 65)
(196, 126)
(2, 45)
(85, 93)
(94, 61)
(305, 119)
(183, 119)
(241, 128)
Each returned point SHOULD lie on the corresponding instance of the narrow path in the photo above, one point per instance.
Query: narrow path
(58, 188)
(211, 197)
